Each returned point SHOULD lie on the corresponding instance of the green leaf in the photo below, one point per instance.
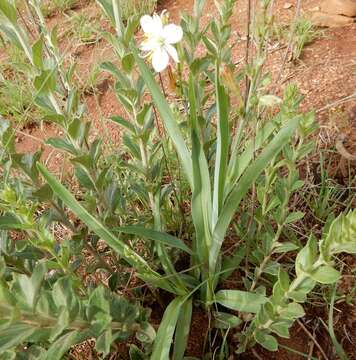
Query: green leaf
(222, 148)
(224, 320)
(182, 331)
(295, 216)
(11, 222)
(29, 286)
(113, 70)
(65, 342)
(107, 7)
(126, 124)
(201, 190)
(136, 261)
(307, 257)
(128, 62)
(64, 296)
(239, 163)
(269, 342)
(325, 275)
(103, 342)
(62, 144)
(8, 355)
(46, 82)
(293, 311)
(340, 237)
(167, 116)
(14, 335)
(230, 264)
(97, 302)
(240, 300)
(8, 10)
(37, 53)
(162, 345)
(281, 329)
(284, 247)
(158, 236)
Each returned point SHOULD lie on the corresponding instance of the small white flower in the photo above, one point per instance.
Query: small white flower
(159, 39)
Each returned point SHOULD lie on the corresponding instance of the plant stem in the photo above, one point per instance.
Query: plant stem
(117, 16)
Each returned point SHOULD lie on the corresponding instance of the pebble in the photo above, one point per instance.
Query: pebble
(316, 8)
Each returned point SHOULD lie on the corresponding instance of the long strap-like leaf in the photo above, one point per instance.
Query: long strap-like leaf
(166, 329)
(158, 236)
(201, 191)
(222, 147)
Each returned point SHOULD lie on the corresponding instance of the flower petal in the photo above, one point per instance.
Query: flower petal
(146, 22)
(172, 34)
(150, 44)
(172, 52)
(151, 24)
(160, 59)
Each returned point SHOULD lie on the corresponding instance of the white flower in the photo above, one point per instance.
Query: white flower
(159, 39)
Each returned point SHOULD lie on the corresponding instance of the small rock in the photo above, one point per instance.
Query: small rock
(287, 6)
(340, 7)
(316, 8)
(327, 20)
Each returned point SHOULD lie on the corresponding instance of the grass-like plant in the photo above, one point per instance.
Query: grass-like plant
(200, 166)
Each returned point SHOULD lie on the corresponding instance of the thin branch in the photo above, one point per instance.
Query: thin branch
(313, 339)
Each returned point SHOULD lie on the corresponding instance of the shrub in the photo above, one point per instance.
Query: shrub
(221, 163)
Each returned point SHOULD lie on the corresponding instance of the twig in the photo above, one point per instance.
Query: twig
(297, 13)
(312, 345)
(313, 339)
(29, 30)
(337, 102)
(247, 54)
(255, 354)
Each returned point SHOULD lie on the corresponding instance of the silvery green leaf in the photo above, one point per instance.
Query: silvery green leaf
(103, 342)
(284, 247)
(325, 275)
(269, 342)
(224, 320)
(281, 328)
(293, 311)
(307, 257)
(295, 216)
(240, 300)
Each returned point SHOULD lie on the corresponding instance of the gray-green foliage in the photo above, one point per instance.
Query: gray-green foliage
(221, 163)
(45, 309)
(314, 264)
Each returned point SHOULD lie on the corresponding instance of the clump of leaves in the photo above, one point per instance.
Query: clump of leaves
(47, 310)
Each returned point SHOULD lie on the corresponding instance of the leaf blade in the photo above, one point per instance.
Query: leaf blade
(243, 301)
(159, 236)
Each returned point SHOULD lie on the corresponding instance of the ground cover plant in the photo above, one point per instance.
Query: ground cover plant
(215, 160)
